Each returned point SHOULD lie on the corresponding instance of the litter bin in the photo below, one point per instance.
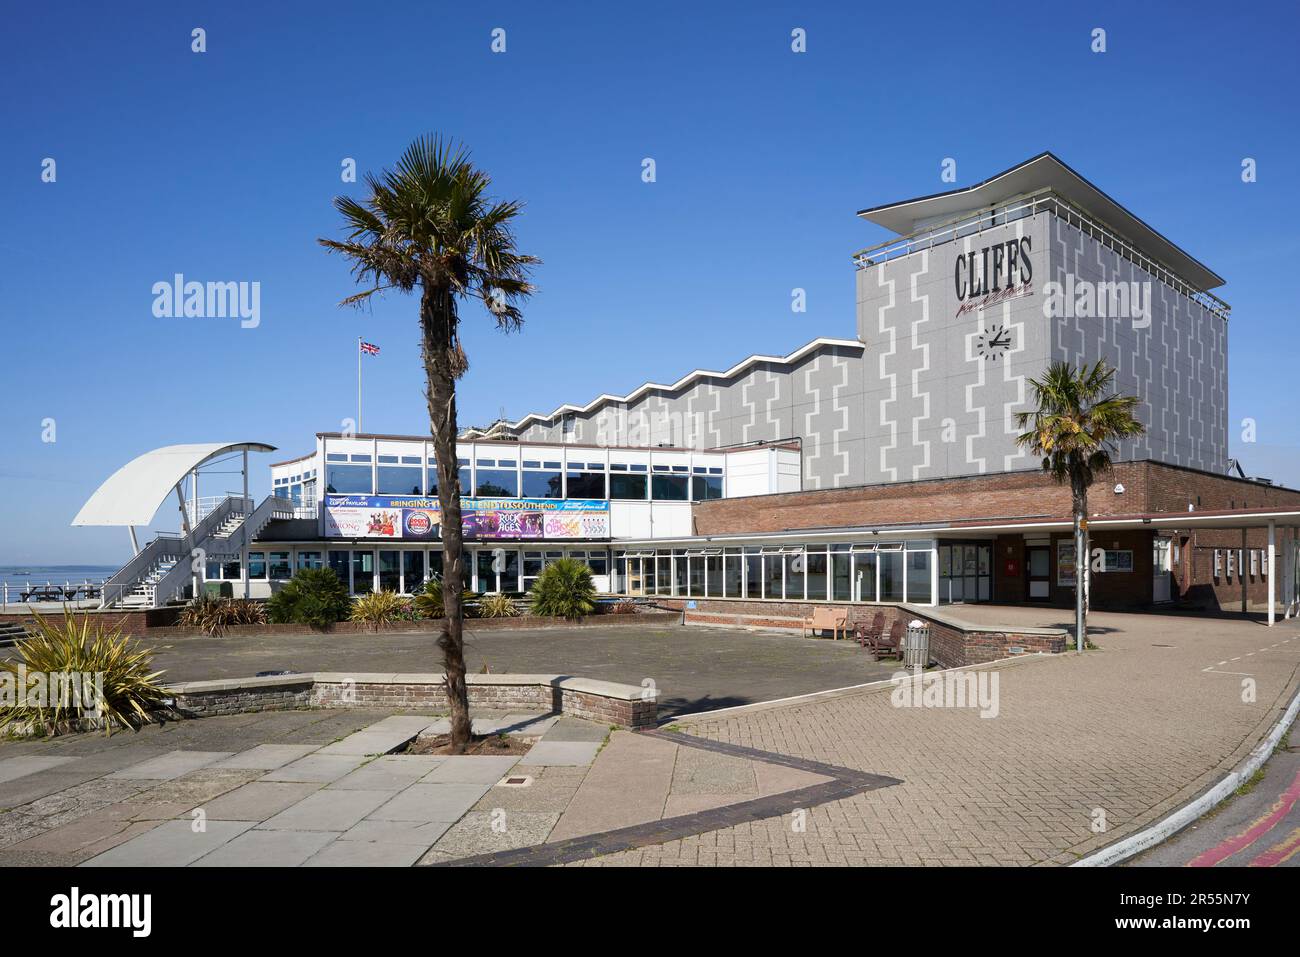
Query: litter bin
(916, 645)
(217, 589)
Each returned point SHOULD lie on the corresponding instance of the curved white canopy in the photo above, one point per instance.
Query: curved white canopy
(133, 494)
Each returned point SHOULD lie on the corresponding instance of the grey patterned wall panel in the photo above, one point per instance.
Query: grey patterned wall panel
(936, 406)
(922, 400)
(1173, 356)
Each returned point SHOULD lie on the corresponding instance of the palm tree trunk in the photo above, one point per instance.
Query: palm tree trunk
(437, 324)
(1080, 498)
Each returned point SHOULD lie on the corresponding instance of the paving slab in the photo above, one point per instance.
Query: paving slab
(482, 832)
(629, 784)
(33, 787)
(563, 753)
(365, 743)
(12, 768)
(327, 811)
(425, 803)
(258, 800)
(170, 844)
(267, 757)
(411, 833)
(316, 768)
(707, 772)
(390, 772)
(366, 854)
(470, 769)
(82, 839)
(171, 765)
(576, 729)
(267, 849)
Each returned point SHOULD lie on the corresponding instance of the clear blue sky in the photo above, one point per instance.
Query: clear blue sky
(222, 166)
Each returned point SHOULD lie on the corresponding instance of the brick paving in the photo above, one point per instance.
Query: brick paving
(1130, 732)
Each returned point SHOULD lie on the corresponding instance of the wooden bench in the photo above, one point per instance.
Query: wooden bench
(834, 620)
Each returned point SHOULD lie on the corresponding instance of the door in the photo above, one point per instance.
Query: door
(1160, 570)
(1038, 566)
(497, 570)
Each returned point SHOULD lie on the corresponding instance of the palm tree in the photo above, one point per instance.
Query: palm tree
(429, 223)
(1074, 428)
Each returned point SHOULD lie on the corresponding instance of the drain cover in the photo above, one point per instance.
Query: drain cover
(516, 782)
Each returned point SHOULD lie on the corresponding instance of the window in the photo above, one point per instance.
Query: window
(431, 475)
(497, 483)
(598, 562)
(1121, 560)
(664, 575)
(733, 571)
(544, 482)
(841, 576)
(815, 567)
(918, 577)
(435, 565)
(773, 579)
(704, 487)
(753, 574)
(713, 573)
(891, 574)
(390, 570)
(279, 566)
(794, 572)
(670, 488)
(398, 479)
(339, 564)
(627, 487)
(308, 560)
(587, 483)
(412, 572)
(348, 479)
(363, 572)
(695, 574)
(463, 473)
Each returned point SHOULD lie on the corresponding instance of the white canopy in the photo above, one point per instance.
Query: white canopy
(133, 494)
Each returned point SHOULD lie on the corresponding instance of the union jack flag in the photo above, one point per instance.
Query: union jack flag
(370, 349)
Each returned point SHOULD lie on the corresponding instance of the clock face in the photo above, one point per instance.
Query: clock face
(993, 342)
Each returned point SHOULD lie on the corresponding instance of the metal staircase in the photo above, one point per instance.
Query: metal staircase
(162, 569)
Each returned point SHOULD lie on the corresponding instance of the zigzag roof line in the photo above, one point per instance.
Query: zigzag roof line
(818, 343)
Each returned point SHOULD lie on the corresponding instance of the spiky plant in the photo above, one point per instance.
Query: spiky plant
(83, 645)
(379, 608)
(314, 596)
(428, 225)
(1076, 426)
(497, 606)
(564, 589)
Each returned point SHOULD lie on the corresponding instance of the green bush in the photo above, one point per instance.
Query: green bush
(564, 589)
(314, 596)
(379, 608)
(130, 689)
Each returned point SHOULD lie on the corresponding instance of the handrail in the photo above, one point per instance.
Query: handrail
(1045, 201)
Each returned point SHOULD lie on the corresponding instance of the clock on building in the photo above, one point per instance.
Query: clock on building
(993, 342)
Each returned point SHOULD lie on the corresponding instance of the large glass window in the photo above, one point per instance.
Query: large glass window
(348, 479)
(497, 483)
(399, 480)
(412, 571)
(705, 487)
(664, 574)
(463, 473)
(695, 574)
(390, 570)
(753, 573)
(627, 487)
(891, 574)
(363, 572)
(918, 577)
(308, 560)
(431, 475)
(732, 573)
(713, 574)
(544, 482)
(279, 566)
(586, 484)
(841, 573)
(815, 566)
(670, 488)
(864, 574)
(680, 567)
(339, 563)
(435, 564)
(794, 573)
(773, 580)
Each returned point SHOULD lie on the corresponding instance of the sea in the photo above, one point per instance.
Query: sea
(19, 576)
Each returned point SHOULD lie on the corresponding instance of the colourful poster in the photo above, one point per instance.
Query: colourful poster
(419, 519)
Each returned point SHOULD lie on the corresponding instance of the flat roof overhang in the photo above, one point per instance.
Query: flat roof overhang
(1044, 171)
(1217, 519)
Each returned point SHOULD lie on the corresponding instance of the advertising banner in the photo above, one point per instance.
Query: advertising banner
(419, 519)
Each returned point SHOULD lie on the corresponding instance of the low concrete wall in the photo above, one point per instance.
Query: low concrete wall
(602, 701)
(953, 642)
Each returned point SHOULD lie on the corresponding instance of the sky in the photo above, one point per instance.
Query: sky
(222, 165)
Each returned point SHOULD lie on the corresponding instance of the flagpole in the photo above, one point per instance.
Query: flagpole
(358, 383)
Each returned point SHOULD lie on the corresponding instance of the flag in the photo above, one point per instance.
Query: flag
(369, 348)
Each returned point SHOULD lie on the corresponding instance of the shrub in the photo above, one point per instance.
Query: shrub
(130, 689)
(314, 596)
(497, 606)
(564, 589)
(214, 615)
(429, 604)
(379, 608)
(624, 606)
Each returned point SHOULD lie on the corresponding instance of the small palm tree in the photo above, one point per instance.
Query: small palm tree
(1074, 429)
(429, 224)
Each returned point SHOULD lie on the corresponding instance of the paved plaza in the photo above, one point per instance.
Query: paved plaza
(1075, 753)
